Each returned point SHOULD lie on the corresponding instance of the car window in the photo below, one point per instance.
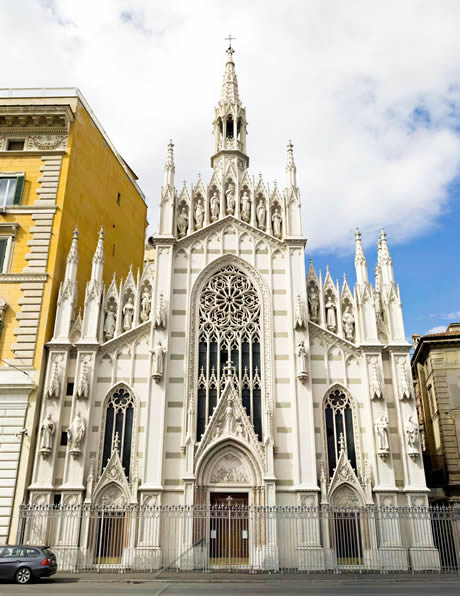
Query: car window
(48, 552)
(31, 552)
(10, 552)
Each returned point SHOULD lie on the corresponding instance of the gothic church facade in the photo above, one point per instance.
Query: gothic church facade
(226, 366)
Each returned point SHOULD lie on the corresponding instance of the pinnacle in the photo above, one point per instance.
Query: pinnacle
(230, 82)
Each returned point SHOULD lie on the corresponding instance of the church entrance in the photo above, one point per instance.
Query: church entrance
(229, 530)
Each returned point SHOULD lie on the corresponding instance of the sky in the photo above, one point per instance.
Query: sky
(368, 91)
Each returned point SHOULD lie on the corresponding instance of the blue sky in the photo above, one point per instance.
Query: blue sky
(368, 91)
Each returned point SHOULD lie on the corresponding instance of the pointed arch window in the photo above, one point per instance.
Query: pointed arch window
(119, 419)
(229, 330)
(339, 421)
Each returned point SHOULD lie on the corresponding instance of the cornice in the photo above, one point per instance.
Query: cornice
(8, 278)
(29, 209)
(217, 226)
(32, 152)
(35, 116)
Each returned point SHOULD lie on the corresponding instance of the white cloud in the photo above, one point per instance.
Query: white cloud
(437, 329)
(368, 91)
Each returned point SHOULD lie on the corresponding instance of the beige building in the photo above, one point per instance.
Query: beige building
(436, 372)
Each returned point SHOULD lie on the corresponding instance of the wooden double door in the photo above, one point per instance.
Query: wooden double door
(229, 529)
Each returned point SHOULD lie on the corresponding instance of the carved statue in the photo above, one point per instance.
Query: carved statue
(214, 207)
(245, 207)
(83, 382)
(145, 305)
(230, 197)
(110, 322)
(160, 318)
(276, 219)
(313, 303)
(47, 429)
(348, 323)
(158, 357)
(90, 482)
(128, 314)
(199, 214)
(261, 215)
(381, 429)
(302, 362)
(411, 429)
(331, 319)
(182, 222)
(75, 434)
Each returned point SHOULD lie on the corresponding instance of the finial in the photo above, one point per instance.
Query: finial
(170, 161)
(229, 369)
(342, 442)
(72, 257)
(327, 269)
(344, 277)
(76, 233)
(311, 261)
(99, 253)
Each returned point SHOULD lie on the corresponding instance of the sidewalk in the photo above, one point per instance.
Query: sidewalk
(218, 577)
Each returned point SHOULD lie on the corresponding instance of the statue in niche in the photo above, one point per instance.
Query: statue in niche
(411, 429)
(182, 222)
(158, 357)
(90, 482)
(110, 322)
(128, 314)
(348, 323)
(83, 382)
(199, 214)
(331, 319)
(261, 214)
(302, 362)
(230, 197)
(245, 207)
(214, 207)
(47, 429)
(276, 220)
(75, 434)
(145, 305)
(381, 429)
(313, 302)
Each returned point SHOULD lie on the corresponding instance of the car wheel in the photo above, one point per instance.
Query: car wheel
(23, 575)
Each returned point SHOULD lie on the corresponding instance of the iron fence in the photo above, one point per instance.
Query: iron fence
(252, 538)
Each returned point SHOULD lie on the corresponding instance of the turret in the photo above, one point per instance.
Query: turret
(67, 294)
(230, 125)
(93, 295)
(168, 195)
(360, 260)
(391, 298)
(294, 220)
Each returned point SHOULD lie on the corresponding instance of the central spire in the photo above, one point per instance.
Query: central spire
(230, 119)
(230, 82)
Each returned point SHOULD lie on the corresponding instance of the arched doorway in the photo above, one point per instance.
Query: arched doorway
(346, 527)
(229, 481)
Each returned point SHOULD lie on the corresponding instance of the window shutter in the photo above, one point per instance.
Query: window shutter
(3, 245)
(18, 191)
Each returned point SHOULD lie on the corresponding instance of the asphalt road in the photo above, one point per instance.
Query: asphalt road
(325, 584)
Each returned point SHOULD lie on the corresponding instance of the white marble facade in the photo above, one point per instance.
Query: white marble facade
(224, 360)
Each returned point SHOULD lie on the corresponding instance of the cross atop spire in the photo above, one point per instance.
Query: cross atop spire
(230, 39)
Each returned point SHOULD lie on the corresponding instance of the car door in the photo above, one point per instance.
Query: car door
(8, 561)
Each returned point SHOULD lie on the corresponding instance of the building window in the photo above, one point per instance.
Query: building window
(339, 422)
(11, 187)
(69, 388)
(119, 422)
(7, 235)
(15, 145)
(63, 442)
(118, 198)
(229, 312)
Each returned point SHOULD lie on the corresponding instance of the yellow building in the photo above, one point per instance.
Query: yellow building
(58, 170)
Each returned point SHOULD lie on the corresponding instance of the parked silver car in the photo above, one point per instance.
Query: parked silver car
(24, 563)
